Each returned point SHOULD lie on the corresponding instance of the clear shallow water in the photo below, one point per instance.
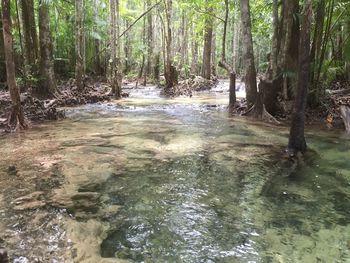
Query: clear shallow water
(156, 180)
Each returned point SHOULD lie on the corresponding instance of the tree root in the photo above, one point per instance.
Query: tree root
(16, 120)
(260, 112)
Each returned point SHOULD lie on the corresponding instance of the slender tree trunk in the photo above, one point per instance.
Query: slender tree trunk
(213, 55)
(223, 64)
(236, 40)
(115, 49)
(248, 53)
(171, 77)
(274, 50)
(297, 143)
(127, 49)
(288, 25)
(347, 44)
(17, 115)
(98, 67)
(150, 45)
(47, 73)
(113, 60)
(2, 57)
(79, 43)
(29, 32)
(207, 50)
(194, 51)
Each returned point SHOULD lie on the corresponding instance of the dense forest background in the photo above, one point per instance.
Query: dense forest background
(166, 42)
(80, 33)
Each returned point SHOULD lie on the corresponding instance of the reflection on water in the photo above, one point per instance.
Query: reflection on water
(158, 180)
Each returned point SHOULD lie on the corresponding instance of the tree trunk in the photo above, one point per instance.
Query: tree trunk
(194, 51)
(47, 73)
(150, 45)
(98, 67)
(127, 50)
(207, 50)
(297, 143)
(17, 115)
(248, 53)
(213, 55)
(236, 40)
(171, 77)
(29, 32)
(274, 50)
(79, 42)
(2, 57)
(224, 65)
(113, 60)
(114, 9)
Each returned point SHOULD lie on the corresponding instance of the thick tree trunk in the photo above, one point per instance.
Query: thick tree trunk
(207, 50)
(29, 32)
(297, 143)
(47, 74)
(17, 115)
(79, 43)
(248, 53)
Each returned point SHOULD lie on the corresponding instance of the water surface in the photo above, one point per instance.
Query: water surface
(149, 179)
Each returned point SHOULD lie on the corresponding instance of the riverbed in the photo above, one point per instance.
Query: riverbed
(151, 179)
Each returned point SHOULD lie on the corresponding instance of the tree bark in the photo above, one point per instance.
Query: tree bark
(79, 42)
(194, 51)
(150, 45)
(171, 77)
(274, 50)
(98, 67)
(224, 65)
(297, 142)
(248, 53)
(115, 83)
(17, 115)
(29, 32)
(47, 73)
(207, 50)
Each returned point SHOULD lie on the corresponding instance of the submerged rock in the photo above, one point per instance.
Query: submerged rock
(31, 201)
(3, 256)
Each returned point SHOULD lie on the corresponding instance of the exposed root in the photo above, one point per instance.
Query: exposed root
(16, 120)
(258, 111)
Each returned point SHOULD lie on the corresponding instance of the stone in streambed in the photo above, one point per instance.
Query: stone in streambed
(31, 201)
(3, 256)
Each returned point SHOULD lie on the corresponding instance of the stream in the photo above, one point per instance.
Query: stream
(150, 179)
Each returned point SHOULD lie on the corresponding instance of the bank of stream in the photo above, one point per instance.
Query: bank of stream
(149, 179)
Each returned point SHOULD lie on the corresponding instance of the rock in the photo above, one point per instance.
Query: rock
(12, 170)
(31, 201)
(3, 256)
(81, 201)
